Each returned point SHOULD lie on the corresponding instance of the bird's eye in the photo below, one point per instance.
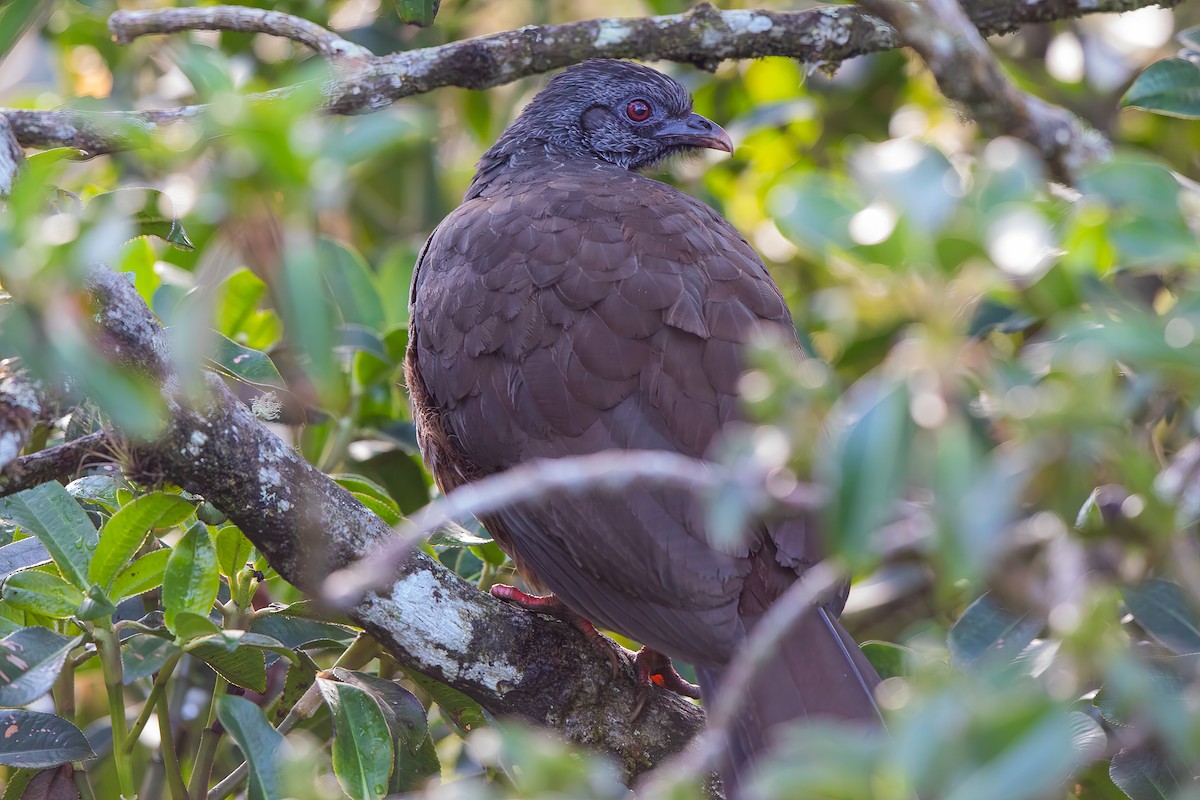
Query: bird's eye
(638, 110)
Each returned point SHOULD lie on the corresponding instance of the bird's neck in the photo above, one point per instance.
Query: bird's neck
(518, 152)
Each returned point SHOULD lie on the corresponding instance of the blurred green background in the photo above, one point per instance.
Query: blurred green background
(1016, 361)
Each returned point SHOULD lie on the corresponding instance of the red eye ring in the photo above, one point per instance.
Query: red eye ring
(638, 110)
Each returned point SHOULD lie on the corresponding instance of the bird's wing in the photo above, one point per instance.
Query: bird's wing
(588, 310)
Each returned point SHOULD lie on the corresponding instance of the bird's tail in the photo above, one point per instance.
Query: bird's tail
(818, 671)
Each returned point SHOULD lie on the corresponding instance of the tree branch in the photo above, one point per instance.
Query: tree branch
(126, 26)
(704, 36)
(968, 72)
(53, 463)
(513, 662)
(607, 470)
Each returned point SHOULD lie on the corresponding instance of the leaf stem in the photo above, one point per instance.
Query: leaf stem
(208, 744)
(156, 691)
(110, 663)
(170, 758)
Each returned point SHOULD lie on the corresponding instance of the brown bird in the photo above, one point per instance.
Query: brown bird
(572, 305)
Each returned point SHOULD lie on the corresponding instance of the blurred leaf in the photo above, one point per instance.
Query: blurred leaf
(42, 593)
(914, 178)
(52, 515)
(986, 635)
(1162, 610)
(1170, 87)
(866, 466)
(151, 210)
(123, 535)
(252, 366)
(30, 660)
(889, 660)
(191, 579)
(15, 18)
(362, 744)
(455, 535)
(351, 284)
(1143, 775)
(259, 742)
(417, 12)
(814, 211)
(35, 740)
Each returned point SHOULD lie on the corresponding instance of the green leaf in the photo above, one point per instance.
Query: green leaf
(463, 713)
(351, 283)
(300, 676)
(95, 490)
(415, 758)
(15, 18)
(417, 12)
(30, 660)
(1170, 87)
(1162, 610)
(237, 300)
(52, 515)
(1143, 775)
(34, 740)
(252, 366)
(143, 655)
(142, 575)
(22, 555)
(96, 604)
(192, 579)
(258, 741)
(42, 593)
(298, 632)
(455, 535)
(244, 666)
(889, 660)
(987, 635)
(150, 210)
(362, 744)
(123, 535)
(234, 550)
(867, 466)
(403, 712)
(189, 626)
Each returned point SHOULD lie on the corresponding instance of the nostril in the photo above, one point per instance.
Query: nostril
(702, 123)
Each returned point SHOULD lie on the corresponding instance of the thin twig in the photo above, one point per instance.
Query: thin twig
(703, 36)
(609, 471)
(126, 26)
(52, 463)
(968, 72)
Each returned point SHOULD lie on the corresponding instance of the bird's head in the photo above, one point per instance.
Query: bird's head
(619, 112)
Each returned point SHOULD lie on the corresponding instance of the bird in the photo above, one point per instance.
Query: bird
(572, 304)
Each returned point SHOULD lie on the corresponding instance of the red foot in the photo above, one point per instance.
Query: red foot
(654, 667)
(551, 605)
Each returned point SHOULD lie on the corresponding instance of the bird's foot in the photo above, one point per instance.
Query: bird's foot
(654, 668)
(550, 605)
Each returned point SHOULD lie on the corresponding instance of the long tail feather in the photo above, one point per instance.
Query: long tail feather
(818, 672)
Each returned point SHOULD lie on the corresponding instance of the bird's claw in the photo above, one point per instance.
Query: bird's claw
(550, 605)
(650, 666)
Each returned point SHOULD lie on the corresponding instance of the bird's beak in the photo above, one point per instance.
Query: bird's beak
(695, 131)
